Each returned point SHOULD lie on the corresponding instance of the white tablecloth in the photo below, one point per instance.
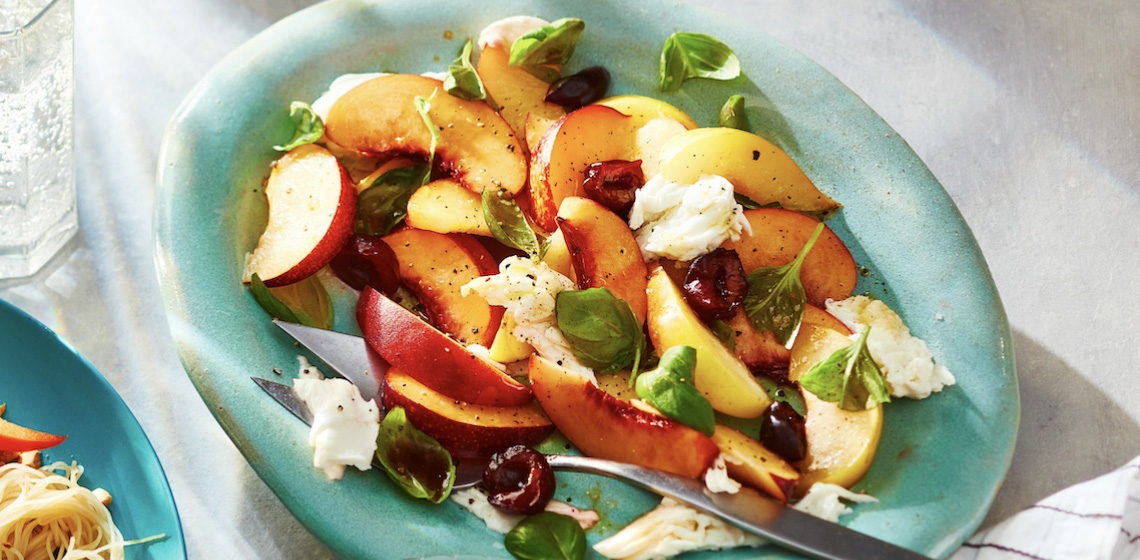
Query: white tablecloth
(1027, 111)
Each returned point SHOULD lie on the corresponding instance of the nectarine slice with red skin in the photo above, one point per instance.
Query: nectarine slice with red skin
(591, 134)
(431, 357)
(312, 205)
(603, 252)
(465, 429)
(761, 351)
(517, 92)
(434, 266)
(753, 464)
(602, 426)
(777, 237)
(476, 146)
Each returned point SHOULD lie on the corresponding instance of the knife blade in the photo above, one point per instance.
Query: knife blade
(348, 355)
(746, 509)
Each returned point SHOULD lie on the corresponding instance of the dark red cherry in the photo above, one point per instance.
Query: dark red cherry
(782, 432)
(367, 260)
(519, 480)
(613, 184)
(581, 89)
(715, 284)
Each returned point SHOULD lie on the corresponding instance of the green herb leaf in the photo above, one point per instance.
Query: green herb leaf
(695, 55)
(602, 330)
(785, 394)
(462, 80)
(275, 307)
(547, 536)
(669, 388)
(724, 332)
(849, 377)
(749, 204)
(732, 115)
(423, 107)
(775, 300)
(507, 223)
(384, 204)
(549, 44)
(413, 459)
(309, 300)
(307, 126)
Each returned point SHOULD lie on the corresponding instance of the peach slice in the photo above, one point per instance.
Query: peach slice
(476, 146)
(841, 443)
(557, 255)
(761, 351)
(603, 426)
(755, 167)
(312, 204)
(591, 134)
(753, 464)
(434, 266)
(643, 109)
(535, 129)
(431, 357)
(506, 348)
(518, 93)
(720, 376)
(445, 206)
(465, 429)
(778, 235)
(603, 251)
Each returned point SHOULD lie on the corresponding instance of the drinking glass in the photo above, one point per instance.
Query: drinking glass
(37, 170)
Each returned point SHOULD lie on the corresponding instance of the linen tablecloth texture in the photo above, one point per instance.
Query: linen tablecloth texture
(1025, 110)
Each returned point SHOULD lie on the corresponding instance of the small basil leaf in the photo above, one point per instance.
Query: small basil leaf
(275, 307)
(601, 329)
(724, 332)
(507, 223)
(423, 107)
(749, 204)
(775, 299)
(413, 459)
(309, 300)
(462, 80)
(695, 55)
(549, 44)
(547, 536)
(669, 388)
(849, 377)
(785, 394)
(307, 126)
(384, 204)
(732, 115)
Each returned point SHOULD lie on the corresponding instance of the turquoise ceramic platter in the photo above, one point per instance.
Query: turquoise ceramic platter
(940, 461)
(49, 387)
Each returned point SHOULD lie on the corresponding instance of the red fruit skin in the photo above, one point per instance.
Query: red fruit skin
(339, 231)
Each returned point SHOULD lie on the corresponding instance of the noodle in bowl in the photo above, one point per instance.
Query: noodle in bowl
(46, 515)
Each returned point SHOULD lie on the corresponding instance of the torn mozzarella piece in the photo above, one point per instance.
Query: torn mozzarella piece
(904, 359)
(344, 426)
(670, 529)
(717, 479)
(475, 500)
(504, 32)
(683, 222)
(822, 501)
(527, 289)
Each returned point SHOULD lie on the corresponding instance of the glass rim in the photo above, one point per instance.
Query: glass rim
(10, 33)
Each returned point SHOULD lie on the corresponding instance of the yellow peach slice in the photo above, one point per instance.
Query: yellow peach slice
(445, 206)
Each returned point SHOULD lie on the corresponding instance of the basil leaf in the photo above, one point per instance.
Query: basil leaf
(724, 332)
(849, 377)
(462, 80)
(275, 307)
(785, 394)
(749, 204)
(423, 106)
(601, 329)
(695, 55)
(670, 389)
(309, 300)
(507, 223)
(413, 459)
(549, 44)
(307, 126)
(775, 299)
(384, 204)
(732, 115)
(547, 536)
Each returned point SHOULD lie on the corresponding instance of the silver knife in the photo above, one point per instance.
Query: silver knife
(746, 509)
(349, 356)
